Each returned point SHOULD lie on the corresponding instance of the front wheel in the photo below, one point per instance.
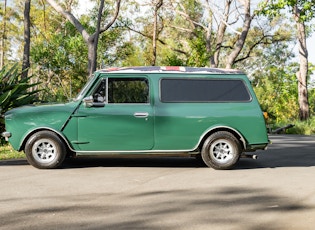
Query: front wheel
(45, 150)
(221, 150)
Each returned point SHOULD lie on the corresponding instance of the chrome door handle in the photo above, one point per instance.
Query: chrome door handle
(143, 115)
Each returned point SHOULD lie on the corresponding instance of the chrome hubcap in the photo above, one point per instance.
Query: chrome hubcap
(222, 151)
(44, 151)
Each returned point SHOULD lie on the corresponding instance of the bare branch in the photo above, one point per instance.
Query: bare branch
(68, 15)
(241, 40)
(186, 16)
(223, 17)
(159, 40)
(113, 19)
(260, 41)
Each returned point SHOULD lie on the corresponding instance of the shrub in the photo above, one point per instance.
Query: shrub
(14, 91)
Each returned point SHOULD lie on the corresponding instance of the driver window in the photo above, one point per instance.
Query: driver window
(128, 90)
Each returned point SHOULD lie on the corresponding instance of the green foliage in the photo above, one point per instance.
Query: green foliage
(10, 31)
(132, 58)
(60, 59)
(311, 96)
(114, 50)
(277, 93)
(299, 127)
(173, 60)
(302, 127)
(303, 10)
(276, 89)
(61, 63)
(14, 91)
(199, 55)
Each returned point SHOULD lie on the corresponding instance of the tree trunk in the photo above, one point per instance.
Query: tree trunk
(155, 31)
(3, 35)
(27, 38)
(301, 75)
(220, 35)
(91, 56)
(241, 40)
(208, 42)
(91, 40)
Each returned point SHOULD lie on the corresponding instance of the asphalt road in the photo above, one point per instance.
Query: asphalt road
(277, 191)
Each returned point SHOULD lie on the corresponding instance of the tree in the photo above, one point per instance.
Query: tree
(3, 37)
(212, 25)
(27, 38)
(59, 52)
(90, 39)
(302, 11)
(274, 83)
(158, 4)
(9, 32)
(242, 37)
(214, 59)
(244, 17)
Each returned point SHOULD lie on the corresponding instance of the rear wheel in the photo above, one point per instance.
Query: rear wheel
(45, 150)
(221, 150)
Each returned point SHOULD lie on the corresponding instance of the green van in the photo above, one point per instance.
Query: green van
(212, 113)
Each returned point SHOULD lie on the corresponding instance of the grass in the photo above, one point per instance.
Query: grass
(300, 127)
(304, 127)
(7, 152)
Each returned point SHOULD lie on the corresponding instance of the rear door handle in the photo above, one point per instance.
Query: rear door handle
(139, 114)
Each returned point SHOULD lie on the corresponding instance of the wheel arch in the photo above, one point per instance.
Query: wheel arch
(209, 132)
(60, 135)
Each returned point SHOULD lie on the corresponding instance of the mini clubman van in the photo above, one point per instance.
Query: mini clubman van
(212, 113)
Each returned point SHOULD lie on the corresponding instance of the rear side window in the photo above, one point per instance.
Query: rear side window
(204, 90)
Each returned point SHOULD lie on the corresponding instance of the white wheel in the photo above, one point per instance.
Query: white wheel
(221, 150)
(45, 150)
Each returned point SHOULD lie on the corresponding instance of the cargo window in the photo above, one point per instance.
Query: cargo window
(204, 90)
(128, 90)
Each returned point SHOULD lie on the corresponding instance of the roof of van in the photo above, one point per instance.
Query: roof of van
(180, 69)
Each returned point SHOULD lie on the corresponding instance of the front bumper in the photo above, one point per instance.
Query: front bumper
(6, 135)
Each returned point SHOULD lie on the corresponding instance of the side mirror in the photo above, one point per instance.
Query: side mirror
(89, 102)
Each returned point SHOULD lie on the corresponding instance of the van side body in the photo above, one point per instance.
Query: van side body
(205, 112)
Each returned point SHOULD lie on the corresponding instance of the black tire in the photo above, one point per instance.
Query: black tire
(221, 150)
(45, 150)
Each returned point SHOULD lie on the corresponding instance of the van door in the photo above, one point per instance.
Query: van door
(124, 122)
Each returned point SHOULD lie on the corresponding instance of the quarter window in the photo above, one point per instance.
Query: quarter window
(204, 90)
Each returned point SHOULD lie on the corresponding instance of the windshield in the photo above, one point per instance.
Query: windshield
(85, 89)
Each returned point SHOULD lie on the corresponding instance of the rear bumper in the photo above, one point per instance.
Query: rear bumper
(6, 135)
